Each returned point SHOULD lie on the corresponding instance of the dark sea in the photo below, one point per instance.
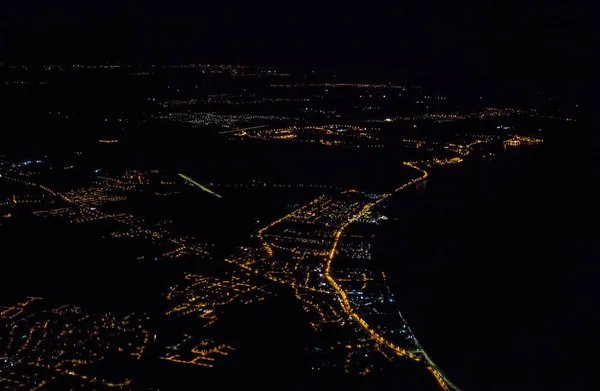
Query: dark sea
(489, 266)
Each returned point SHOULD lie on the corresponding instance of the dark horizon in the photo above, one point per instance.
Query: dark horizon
(518, 44)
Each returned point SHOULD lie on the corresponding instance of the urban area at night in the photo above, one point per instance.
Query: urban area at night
(263, 224)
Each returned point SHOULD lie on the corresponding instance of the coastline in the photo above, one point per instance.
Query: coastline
(433, 239)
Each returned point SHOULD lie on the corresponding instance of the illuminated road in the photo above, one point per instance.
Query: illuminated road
(345, 303)
(418, 355)
(204, 188)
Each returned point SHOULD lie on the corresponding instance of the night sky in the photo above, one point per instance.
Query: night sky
(497, 42)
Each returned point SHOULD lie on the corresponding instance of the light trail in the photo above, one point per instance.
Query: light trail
(206, 189)
(95, 214)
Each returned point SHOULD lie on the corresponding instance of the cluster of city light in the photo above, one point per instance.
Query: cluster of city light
(67, 341)
(230, 99)
(259, 183)
(233, 69)
(462, 150)
(517, 140)
(343, 85)
(24, 82)
(83, 209)
(201, 353)
(93, 196)
(328, 135)
(214, 118)
(27, 199)
(206, 297)
(489, 112)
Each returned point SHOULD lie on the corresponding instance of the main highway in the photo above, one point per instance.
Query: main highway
(444, 383)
